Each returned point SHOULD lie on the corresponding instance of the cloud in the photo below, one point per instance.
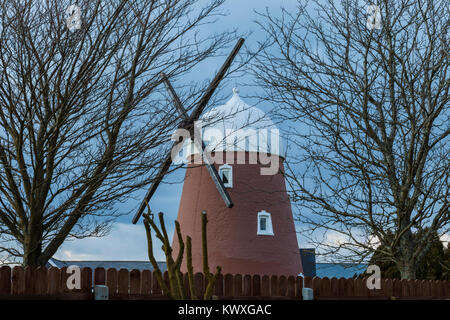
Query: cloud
(125, 242)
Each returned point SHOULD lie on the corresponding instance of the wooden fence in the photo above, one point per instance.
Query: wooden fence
(42, 283)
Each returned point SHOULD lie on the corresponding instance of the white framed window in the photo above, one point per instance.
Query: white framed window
(226, 174)
(264, 224)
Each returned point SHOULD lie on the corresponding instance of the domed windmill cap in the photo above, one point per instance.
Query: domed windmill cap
(237, 126)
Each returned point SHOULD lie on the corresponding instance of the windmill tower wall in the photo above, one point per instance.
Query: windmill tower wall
(257, 235)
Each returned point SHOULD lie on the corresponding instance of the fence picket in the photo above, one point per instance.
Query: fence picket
(86, 280)
(316, 287)
(282, 287)
(99, 276)
(298, 287)
(308, 282)
(342, 288)
(291, 287)
(334, 287)
(218, 288)
(397, 288)
(274, 286)
(247, 285)
(135, 282)
(5, 280)
(256, 285)
(123, 281)
(146, 283)
(265, 286)
(30, 281)
(405, 288)
(325, 287)
(229, 285)
(63, 280)
(350, 288)
(111, 280)
(41, 281)
(238, 285)
(18, 281)
(53, 276)
(199, 285)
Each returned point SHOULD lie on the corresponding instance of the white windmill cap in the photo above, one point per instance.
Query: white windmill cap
(237, 126)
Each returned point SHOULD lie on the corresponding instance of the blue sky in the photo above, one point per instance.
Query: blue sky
(127, 241)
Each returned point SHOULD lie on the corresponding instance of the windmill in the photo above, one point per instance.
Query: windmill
(188, 124)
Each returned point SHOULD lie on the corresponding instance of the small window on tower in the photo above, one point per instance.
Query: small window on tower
(264, 224)
(226, 174)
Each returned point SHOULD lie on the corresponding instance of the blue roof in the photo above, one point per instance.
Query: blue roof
(339, 270)
(330, 270)
(130, 265)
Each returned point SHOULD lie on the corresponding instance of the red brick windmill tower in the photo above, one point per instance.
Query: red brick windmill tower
(254, 233)
(257, 235)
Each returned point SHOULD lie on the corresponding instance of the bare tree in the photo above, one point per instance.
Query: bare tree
(82, 123)
(367, 102)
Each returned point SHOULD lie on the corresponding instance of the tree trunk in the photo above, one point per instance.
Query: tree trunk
(32, 249)
(408, 271)
(407, 264)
